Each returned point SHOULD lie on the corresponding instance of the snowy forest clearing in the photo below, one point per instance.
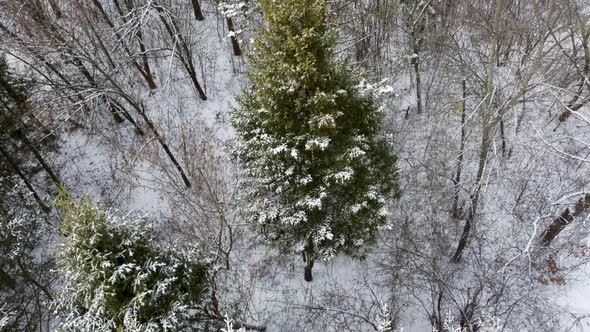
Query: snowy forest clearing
(147, 106)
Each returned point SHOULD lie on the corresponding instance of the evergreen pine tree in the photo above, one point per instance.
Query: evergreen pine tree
(24, 269)
(24, 141)
(118, 278)
(319, 171)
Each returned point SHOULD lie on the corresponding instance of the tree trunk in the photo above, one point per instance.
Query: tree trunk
(145, 70)
(503, 137)
(160, 139)
(308, 259)
(234, 41)
(416, 65)
(21, 175)
(307, 275)
(562, 221)
(185, 54)
(415, 61)
(456, 213)
(486, 139)
(475, 196)
(120, 109)
(197, 10)
(39, 157)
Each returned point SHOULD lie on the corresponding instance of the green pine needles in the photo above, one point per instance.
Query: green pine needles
(118, 278)
(319, 170)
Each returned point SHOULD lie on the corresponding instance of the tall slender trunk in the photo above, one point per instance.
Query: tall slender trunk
(415, 61)
(145, 70)
(457, 181)
(184, 54)
(486, 139)
(14, 165)
(503, 137)
(475, 196)
(160, 139)
(39, 157)
(416, 66)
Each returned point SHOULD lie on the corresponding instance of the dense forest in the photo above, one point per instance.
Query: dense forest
(295, 165)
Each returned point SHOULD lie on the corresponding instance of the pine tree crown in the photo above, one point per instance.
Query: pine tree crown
(319, 171)
(117, 276)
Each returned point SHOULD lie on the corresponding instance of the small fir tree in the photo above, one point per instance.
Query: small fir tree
(117, 278)
(319, 171)
(24, 267)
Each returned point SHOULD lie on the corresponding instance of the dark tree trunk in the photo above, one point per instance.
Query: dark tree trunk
(160, 139)
(185, 54)
(455, 209)
(463, 240)
(193, 75)
(13, 164)
(307, 275)
(475, 196)
(503, 137)
(197, 10)
(415, 61)
(120, 109)
(308, 259)
(416, 66)
(564, 219)
(145, 70)
(234, 41)
(39, 157)
(486, 140)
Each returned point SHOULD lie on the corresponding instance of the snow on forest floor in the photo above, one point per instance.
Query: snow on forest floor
(113, 167)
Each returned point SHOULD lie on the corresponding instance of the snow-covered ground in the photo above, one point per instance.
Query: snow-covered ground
(409, 269)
